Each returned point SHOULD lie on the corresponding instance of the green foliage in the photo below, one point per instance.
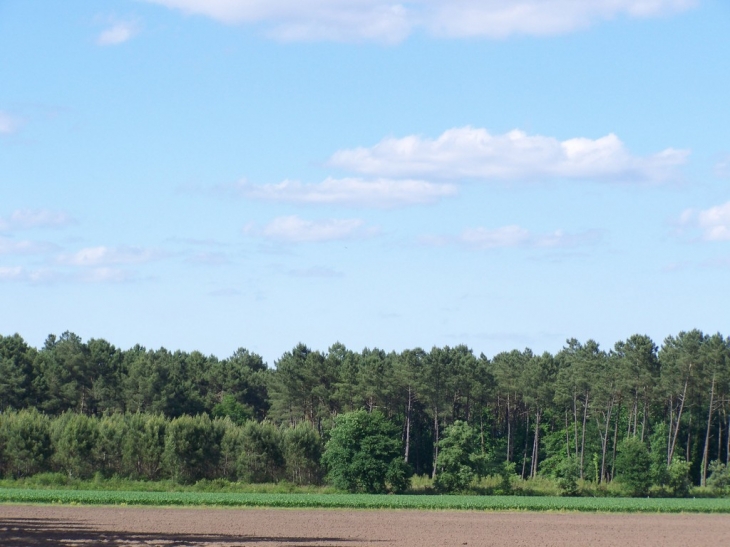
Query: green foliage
(26, 441)
(192, 449)
(261, 456)
(460, 459)
(303, 454)
(719, 479)
(360, 453)
(229, 407)
(633, 466)
(568, 472)
(74, 438)
(679, 481)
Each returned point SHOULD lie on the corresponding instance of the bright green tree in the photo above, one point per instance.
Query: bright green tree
(364, 454)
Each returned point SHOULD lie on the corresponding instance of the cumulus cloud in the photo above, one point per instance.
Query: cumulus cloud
(473, 153)
(118, 33)
(8, 124)
(39, 218)
(357, 192)
(107, 256)
(514, 236)
(294, 229)
(714, 223)
(389, 21)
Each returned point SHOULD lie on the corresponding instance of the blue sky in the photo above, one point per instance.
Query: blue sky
(209, 174)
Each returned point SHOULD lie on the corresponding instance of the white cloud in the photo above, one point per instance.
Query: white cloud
(514, 236)
(10, 246)
(107, 256)
(722, 167)
(297, 230)
(472, 153)
(390, 21)
(714, 223)
(20, 274)
(106, 275)
(39, 218)
(356, 192)
(8, 124)
(118, 33)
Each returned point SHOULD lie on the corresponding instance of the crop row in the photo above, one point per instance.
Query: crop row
(352, 501)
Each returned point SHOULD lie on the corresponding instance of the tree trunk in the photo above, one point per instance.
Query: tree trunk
(567, 436)
(706, 451)
(604, 442)
(536, 445)
(408, 425)
(615, 440)
(673, 444)
(527, 438)
(509, 431)
(583, 435)
(436, 440)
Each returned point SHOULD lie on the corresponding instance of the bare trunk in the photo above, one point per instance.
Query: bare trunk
(536, 445)
(705, 453)
(509, 431)
(583, 435)
(604, 442)
(527, 438)
(567, 437)
(615, 441)
(575, 422)
(436, 439)
(673, 444)
(643, 420)
(408, 425)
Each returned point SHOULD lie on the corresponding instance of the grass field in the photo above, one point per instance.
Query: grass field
(354, 501)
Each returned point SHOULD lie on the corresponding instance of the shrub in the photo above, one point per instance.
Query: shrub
(303, 453)
(27, 442)
(633, 467)
(460, 459)
(568, 472)
(361, 452)
(261, 458)
(192, 449)
(679, 481)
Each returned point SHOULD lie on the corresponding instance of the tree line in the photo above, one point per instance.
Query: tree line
(542, 414)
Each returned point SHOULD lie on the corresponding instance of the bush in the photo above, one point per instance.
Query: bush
(568, 472)
(303, 453)
(719, 478)
(192, 449)
(460, 459)
(261, 458)
(74, 439)
(633, 467)
(27, 442)
(679, 481)
(362, 454)
(143, 446)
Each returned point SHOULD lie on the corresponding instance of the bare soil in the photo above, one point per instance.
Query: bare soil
(25, 525)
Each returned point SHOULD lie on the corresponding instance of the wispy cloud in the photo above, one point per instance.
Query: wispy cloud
(713, 223)
(118, 33)
(22, 219)
(21, 274)
(514, 236)
(473, 153)
(354, 192)
(294, 229)
(108, 256)
(389, 21)
(8, 124)
(316, 272)
(10, 246)
(722, 167)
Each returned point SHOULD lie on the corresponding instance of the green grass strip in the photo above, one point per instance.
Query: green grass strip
(355, 501)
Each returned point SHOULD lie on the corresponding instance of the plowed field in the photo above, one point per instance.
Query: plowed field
(22, 526)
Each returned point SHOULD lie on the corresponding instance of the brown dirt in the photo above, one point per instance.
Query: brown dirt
(26, 525)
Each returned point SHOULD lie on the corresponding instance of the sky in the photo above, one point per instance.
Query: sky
(215, 174)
